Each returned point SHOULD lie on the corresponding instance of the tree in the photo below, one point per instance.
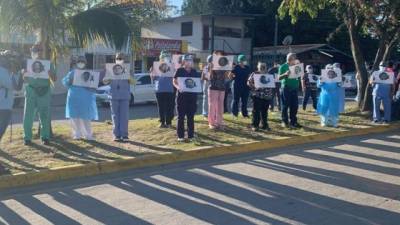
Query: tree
(84, 20)
(379, 19)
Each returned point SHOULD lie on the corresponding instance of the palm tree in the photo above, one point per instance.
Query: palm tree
(54, 20)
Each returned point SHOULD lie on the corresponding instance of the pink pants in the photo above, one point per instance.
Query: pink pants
(215, 107)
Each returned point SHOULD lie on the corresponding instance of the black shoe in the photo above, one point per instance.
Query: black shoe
(162, 125)
(45, 142)
(125, 139)
(27, 142)
(296, 125)
(266, 127)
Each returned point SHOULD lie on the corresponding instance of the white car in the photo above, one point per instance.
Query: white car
(141, 92)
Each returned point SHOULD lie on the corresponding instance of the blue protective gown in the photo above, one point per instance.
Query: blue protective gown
(329, 102)
(81, 102)
(382, 94)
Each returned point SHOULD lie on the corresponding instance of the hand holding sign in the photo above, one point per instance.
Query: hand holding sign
(163, 69)
(383, 77)
(86, 78)
(296, 71)
(117, 71)
(189, 84)
(38, 69)
(222, 62)
(331, 76)
(264, 81)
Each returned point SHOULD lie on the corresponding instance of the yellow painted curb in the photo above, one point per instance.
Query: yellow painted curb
(91, 169)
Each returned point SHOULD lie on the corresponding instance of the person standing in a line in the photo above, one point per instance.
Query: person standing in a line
(37, 99)
(241, 73)
(289, 93)
(186, 102)
(120, 95)
(309, 87)
(262, 99)
(165, 94)
(206, 84)
(81, 107)
(8, 84)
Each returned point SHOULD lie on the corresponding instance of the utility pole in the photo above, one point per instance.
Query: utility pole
(276, 38)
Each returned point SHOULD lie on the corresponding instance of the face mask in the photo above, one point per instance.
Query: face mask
(119, 62)
(382, 68)
(35, 55)
(80, 65)
(244, 62)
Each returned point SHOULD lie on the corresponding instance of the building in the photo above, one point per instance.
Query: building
(229, 33)
(317, 55)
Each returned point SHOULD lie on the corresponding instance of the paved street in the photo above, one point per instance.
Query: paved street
(348, 181)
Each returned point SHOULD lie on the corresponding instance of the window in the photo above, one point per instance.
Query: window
(186, 29)
(145, 80)
(228, 32)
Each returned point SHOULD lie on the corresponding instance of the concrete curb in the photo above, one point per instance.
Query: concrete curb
(91, 169)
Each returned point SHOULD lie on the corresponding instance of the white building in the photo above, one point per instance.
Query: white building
(229, 33)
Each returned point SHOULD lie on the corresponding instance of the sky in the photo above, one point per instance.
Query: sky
(176, 3)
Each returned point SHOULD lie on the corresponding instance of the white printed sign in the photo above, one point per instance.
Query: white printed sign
(38, 69)
(331, 76)
(222, 62)
(86, 78)
(189, 84)
(117, 71)
(163, 69)
(264, 81)
(312, 78)
(177, 61)
(383, 77)
(296, 71)
(347, 81)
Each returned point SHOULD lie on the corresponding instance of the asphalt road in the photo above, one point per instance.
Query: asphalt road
(345, 182)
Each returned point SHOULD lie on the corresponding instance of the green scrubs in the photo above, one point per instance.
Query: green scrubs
(37, 100)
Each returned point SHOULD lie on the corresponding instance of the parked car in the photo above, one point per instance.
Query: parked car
(141, 92)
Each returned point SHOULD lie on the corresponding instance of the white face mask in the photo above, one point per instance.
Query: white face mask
(35, 55)
(80, 65)
(119, 62)
(166, 59)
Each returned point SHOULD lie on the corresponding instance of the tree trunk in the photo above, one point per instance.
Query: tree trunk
(358, 55)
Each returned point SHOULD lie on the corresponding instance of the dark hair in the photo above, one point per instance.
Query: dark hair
(390, 64)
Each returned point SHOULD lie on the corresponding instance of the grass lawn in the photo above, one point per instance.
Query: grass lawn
(147, 138)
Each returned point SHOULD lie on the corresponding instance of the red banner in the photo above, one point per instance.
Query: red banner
(153, 47)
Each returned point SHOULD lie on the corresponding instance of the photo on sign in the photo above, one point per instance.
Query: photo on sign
(331, 76)
(312, 78)
(163, 69)
(117, 71)
(264, 81)
(222, 62)
(383, 77)
(38, 68)
(86, 78)
(296, 71)
(189, 84)
(177, 61)
(347, 82)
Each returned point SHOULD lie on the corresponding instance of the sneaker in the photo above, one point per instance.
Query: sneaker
(168, 126)
(125, 139)
(266, 128)
(255, 129)
(284, 125)
(45, 142)
(212, 127)
(27, 142)
(296, 125)
(375, 122)
(385, 122)
(190, 139)
(181, 139)
(117, 139)
(162, 126)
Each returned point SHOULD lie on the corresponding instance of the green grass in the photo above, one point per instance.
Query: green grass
(147, 138)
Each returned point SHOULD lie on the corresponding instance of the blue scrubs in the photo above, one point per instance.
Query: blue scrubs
(381, 94)
(328, 103)
(240, 89)
(120, 96)
(81, 101)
